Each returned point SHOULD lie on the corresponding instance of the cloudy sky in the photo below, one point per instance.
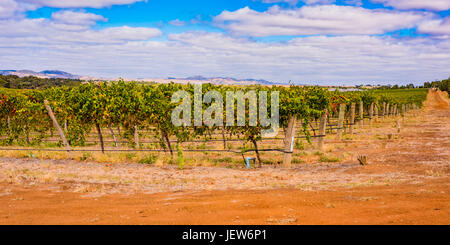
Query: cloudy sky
(310, 41)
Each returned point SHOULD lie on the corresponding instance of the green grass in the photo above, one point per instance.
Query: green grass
(329, 159)
(404, 96)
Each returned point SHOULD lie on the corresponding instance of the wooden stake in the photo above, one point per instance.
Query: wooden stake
(56, 124)
(403, 112)
(341, 120)
(361, 113)
(352, 117)
(322, 130)
(376, 113)
(136, 137)
(27, 133)
(9, 124)
(383, 112)
(371, 114)
(289, 142)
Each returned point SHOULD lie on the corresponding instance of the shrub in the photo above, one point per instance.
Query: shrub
(148, 159)
(329, 159)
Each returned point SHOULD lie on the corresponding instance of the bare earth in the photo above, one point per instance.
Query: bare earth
(407, 182)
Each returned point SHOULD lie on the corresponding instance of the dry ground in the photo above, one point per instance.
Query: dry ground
(405, 183)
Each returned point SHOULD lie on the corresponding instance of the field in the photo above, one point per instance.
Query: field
(405, 180)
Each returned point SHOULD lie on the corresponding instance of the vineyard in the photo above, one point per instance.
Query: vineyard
(128, 118)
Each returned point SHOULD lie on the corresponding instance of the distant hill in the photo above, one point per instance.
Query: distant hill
(213, 80)
(192, 79)
(42, 74)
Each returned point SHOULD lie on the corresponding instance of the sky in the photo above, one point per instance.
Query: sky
(326, 42)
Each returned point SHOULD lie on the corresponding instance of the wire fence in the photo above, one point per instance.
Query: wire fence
(332, 124)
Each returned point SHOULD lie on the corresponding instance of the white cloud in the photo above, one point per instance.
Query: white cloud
(313, 20)
(437, 5)
(177, 22)
(78, 3)
(338, 60)
(291, 2)
(439, 28)
(294, 2)
(76, 18)
(319, 1)
(12, 8)
(7, 8)
(76, 29)
(69, 41)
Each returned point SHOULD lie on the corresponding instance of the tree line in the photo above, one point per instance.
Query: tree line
(443, 85)
(32, 82)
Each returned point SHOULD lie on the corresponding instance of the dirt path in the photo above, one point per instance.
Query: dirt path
(407, 182)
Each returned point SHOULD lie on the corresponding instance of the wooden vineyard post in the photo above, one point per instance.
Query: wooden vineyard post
(322, 130)
(341, 120)
(352, 117)
(9, 125)
(403, 112)
(371, 114)
(27, 133)
(100, 136)
(136, 137)
(387, 110)
(397, 117)
(376, 112)
(361, 113)
(56, 124)
(383, 112)
(289, 142)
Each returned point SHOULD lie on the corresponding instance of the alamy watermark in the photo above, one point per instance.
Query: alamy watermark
(213, 115)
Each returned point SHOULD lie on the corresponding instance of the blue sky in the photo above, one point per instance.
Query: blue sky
(310, 41)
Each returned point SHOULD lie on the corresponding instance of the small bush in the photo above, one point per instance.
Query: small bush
(86, 156)
(149, 159)
(130, 156)
(299, 145)
(225, 159)
(318, 153)
(329, 159)
(298, 161)
(30, 155)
